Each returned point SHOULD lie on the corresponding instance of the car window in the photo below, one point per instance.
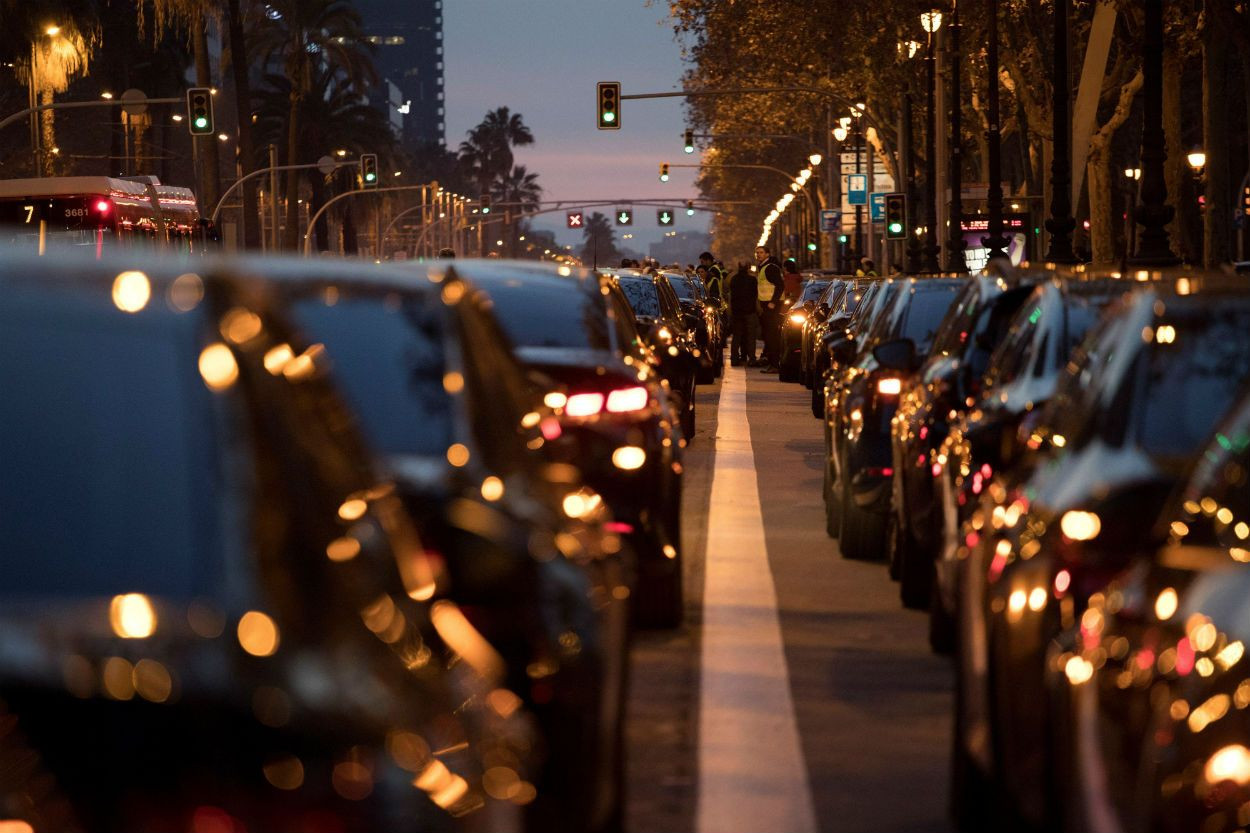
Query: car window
(538, 314)
(642, 296)
(627, 339)
(387, 355)
(923, 312)
(812, 290)
(115, 485)
(1014, 351)
(955, 329)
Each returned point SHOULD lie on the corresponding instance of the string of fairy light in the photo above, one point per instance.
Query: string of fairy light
(783, 203)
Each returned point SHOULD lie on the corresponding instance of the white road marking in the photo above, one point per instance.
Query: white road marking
(752, 775)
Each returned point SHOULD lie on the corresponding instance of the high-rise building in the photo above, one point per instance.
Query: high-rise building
(408, 51)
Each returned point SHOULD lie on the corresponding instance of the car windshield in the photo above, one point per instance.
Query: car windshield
(812, 290)
(923, 313)
(684, 287)
(115, 485)
(642, 297)
(1190, 381)
(539, 314)
(387, 354)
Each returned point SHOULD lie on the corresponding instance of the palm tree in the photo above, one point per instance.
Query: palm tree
(599, 244)
(300, 34)
(520, 189)
(487, 153)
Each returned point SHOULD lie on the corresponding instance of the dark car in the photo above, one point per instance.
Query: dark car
(216, 614)
(578, 331)
(944, 386)
(702, 317)
(984, 439)
(658, 317)
(852, 315)
(1134, 407)
(792, 324)
(1152, 684)
(863, 405)
(832, 302)
(453, 416)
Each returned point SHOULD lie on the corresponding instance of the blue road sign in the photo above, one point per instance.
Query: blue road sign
(830, 219)
(876, 206)
(857, 189)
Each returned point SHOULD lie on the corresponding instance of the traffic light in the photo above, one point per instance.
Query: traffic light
(689, 141)
(200, 111)
(484, 203)
(368, 169)
(895, 216)
(811, 241)
(664, 217)
(624, 217)
(842, 238)
(609, 105)
(663, 172)
(689, 208)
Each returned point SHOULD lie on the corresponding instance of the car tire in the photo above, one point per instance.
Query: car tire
(818, 401)
(915, 577)
(831, 504)
(975, 801)
(788, 372)
(892, 545)
(687, 414)
(861, 533)
(659, 602)
(706, 374)
(941, 625)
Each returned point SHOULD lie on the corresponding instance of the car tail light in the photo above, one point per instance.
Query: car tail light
(628, 399)
(889, 386)
(584, 404)
(103, 206)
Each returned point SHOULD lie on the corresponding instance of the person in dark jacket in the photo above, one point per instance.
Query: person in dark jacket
(770, 313)
(744, 315)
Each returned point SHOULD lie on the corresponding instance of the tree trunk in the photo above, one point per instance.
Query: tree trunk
(290, 229)
(209, 174)
(1217, 229)
(243, 110)
(1176, 169)
(321, 233)
(1101, 178)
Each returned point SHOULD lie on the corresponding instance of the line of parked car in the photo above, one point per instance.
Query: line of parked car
(1055, 465)
(297, 545)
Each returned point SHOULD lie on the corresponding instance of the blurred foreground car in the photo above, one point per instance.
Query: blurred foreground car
(1135, 406)
(215, 615)
(450, 411)
(618, 422)
(793, 321)
(1153, 683)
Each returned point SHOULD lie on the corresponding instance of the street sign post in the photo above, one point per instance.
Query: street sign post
(876, 206)
(664, 217)
(857, 189)
(830, 219)
(575, 219)
(624, 217)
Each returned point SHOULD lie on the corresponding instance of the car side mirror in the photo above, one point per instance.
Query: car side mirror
(899, 354)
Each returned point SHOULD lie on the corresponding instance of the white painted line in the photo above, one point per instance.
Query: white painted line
(752, 775)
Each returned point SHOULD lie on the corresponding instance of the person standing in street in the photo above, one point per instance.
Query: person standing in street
(793, 281)
(744, 315)
(769, 274)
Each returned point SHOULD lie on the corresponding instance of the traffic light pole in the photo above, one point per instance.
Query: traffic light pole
(70, 105)
(263, 171)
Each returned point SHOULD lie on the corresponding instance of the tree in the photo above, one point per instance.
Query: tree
(522, 193)
(486, 155)
(298, 35)
(599, 241)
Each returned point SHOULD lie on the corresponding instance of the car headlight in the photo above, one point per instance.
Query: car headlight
(798, 317)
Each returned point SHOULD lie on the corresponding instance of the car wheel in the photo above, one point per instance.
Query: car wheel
(788, 372)
(892, 545)
(658, 602)
(915, 574)
(818, 401)
(687, 415)
(862, 531)
(706, 374)
(941, 624)
(975, 801)
(831, 504)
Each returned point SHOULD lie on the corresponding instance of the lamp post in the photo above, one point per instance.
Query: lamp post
(1061, 223)
(995, 243)
(955, 261)
(1132, 176)
(1153, 211)
(859, 209)
(907, 164)
(931, 21)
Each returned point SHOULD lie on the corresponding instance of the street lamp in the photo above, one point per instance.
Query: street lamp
(955, 260)
(815, 159)
(839, 133)
(931, 21)
(995, 243)
(1197, 160)
(1061, 223)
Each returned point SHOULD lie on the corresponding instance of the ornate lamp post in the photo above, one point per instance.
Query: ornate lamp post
(1061, 223)
(931, 21)
(1153, 211)
(955, 261)
(995, 243)
(907, 166)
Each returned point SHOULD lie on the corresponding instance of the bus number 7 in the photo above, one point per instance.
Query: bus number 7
(30, 212)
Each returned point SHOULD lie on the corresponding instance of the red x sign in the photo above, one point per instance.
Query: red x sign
(575, 219)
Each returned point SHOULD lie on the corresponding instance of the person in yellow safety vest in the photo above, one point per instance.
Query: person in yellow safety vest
(769, 276)
(715, 281)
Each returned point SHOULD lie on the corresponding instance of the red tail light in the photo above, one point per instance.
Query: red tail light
(103, 207)
(628, 399)
(584, 404)
(622, 401)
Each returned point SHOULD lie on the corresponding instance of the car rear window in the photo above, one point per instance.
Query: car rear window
(924, 312)
(111, 478)
(387, 355)
(534, 314)
(642, 297)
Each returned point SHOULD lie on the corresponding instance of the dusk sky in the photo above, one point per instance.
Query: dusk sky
(542, 58)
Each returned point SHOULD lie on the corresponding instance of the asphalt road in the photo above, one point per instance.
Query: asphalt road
(853, 674)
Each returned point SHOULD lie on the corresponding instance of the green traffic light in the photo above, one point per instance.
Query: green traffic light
(663, 177)
(609, 116)
(811, 247)
(896, 228)
(201, 122)
(842, 238)
(689, 148)
(370, 177)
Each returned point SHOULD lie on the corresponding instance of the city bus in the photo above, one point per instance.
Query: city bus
(100, 212)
